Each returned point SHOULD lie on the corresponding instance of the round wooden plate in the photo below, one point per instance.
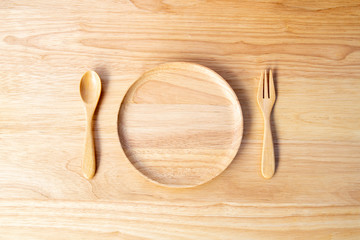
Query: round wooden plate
(180, 124)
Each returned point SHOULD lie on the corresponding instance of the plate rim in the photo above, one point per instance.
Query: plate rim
(183, 65)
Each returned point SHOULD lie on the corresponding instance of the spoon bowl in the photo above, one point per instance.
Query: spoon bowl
(90, 90)
(90, 87)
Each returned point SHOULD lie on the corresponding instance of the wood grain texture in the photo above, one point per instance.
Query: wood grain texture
(180, 124)
(314, 48)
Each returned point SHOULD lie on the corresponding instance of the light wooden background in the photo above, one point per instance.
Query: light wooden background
(46, 46)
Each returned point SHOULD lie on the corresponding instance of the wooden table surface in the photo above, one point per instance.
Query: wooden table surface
(46, 46)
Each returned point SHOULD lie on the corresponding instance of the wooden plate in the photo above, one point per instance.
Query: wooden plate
(180, 124)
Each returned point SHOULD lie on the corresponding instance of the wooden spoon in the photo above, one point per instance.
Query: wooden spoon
(90, 90)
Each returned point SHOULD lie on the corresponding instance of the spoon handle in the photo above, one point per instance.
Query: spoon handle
(88, 163)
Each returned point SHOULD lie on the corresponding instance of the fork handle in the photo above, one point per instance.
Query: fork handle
(268, 157)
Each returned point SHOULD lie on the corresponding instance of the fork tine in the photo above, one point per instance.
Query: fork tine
(261, 87)
(272, 87)
(266, 85)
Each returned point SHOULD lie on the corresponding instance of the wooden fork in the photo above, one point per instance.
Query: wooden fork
(266, 99)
